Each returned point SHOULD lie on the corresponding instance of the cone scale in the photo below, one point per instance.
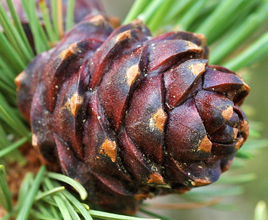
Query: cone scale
(130, 116)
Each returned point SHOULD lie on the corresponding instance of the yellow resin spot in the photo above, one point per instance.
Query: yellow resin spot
(202, 38)
(138, 23)
(72, 49)
(132, 74)
(124, 35)
(19, 78)
(98, 20)
(200, 182)
(34, 142)
(227, 113)
(160, 119)
(141, 196)
(192, 46)
(245, 87)
(75, 103)
(156, 178)
(109, 148)
(205, 145)
(238, 144)
(244, 127)
(114, 21)
(235, 132)
(198, 68)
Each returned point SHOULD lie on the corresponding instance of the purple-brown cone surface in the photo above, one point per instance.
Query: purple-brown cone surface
(130, 116)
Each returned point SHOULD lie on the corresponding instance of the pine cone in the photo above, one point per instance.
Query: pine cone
(130, 116)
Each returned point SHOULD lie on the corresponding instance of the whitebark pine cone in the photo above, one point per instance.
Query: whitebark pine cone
(130, 116)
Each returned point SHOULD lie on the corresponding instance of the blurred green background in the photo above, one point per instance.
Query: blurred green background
(254, 191)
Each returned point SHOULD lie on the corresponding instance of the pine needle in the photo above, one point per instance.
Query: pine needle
(110, 216)
(24, 188)
(48, 26)
(261, 211)
(157, 17)
(60, 203)
(40, 39)
(13, 36)
(147, 14)
(5, 195)
(54, 18)
(136, 9)
(70, 15)
(60, 18)
(258, 50)
(14, 146)
(81, 209)
(29, 199)
(238, 179)
(49, 193)
(77, 186)
(154, 214)
(10, 54)
(20, 30)
(12, 118)
(191, 205)
(186, 20)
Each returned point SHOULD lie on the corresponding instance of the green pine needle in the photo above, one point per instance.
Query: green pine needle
(244, 154)
(258, 50)
(59, 201)
(110, 216)
(142, 210)
(157, 16)
(48, 26)
(15, 61)
(71, 209)
(255, 144)
(70, 15)
(55, 18)
(81, 209)
(187, 19)
(212, 192)
(49, 193)
(41, 207)
(40, 40)
(225, 207)
(231, 18)
(29, 199)
(5, 194)
(6, 88)
(261, 211)
(15, 156)
(238, 35)
(12, 118)
(149, 11)
(15, 145)
(176, 11)
(13, 36)
(77, 186)
(238, 179)
(20, 29)
(224, 10)
(24, 188)
(136, 9)
(37, 215)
